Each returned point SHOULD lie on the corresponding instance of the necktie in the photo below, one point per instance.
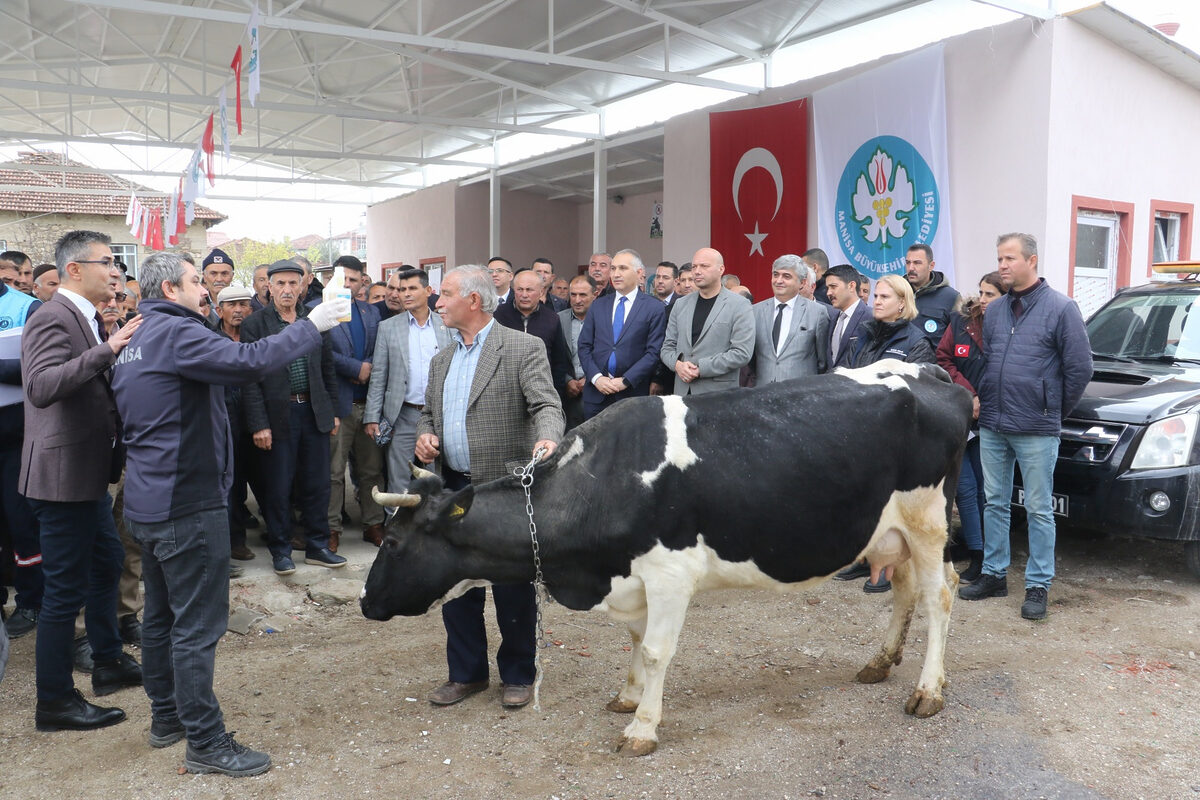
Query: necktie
(778, 324)
(101, 331)
(838, 330)
(618, 324)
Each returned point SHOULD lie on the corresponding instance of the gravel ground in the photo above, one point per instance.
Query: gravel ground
(1100, 700)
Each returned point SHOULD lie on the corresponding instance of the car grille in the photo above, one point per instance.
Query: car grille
(1089, 441)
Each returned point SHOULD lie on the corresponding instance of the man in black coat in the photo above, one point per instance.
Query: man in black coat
(290, 414)
(529, 314)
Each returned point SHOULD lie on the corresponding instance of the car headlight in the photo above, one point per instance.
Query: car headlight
(1166, 443)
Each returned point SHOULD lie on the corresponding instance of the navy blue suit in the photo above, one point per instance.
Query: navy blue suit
(637, 348)
(849, 341)
(345, 365)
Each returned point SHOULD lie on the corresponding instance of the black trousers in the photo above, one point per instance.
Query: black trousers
(466, 637)
(302, 455)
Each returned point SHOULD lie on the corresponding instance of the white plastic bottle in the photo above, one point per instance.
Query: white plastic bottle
(336, 290)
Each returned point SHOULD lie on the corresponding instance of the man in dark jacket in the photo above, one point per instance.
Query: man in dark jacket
(529, 314)
(233, 306)
(179, 470)
(290, 414)
(935, 297)
(1039, 363)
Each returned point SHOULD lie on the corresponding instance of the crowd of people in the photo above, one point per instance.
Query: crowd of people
(138, 416)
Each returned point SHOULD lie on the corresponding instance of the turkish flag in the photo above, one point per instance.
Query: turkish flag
(758, 181)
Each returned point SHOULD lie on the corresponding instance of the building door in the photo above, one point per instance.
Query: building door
(1097, 237)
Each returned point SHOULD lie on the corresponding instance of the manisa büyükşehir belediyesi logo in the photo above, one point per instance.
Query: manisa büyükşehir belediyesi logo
(887, 200)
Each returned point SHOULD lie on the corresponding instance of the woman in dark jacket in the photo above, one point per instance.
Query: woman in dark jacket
(891, 334)
(960, 353)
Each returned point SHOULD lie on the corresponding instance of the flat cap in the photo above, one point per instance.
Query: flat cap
(285, 265)
(233, 293)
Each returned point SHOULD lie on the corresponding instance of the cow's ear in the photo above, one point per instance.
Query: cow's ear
(459, 504)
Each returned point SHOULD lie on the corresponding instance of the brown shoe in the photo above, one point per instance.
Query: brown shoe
(373, 534)
(450, 692)
(335, 538)
(241, 553)
(299, 543)
(515, 696)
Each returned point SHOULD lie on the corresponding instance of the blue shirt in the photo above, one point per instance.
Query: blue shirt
(456, 393)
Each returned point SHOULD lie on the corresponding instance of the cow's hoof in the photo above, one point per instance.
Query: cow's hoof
(619, 706)
(923, 704)
(636, 747)
(872, 674)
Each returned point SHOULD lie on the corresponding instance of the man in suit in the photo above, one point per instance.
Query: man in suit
(598, 267)
(353, 352)
(791, 332)
(710, 333)
(501, 270)
(406, 345)
(581, 292)
(665, 275)
(490, 401)
(544, 267)
(842, 285)
(290, 414)
(621, 338)
(71, 453)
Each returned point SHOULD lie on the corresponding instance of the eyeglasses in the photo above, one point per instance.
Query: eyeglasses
(108, 262)
(120, 296)
(500, 270)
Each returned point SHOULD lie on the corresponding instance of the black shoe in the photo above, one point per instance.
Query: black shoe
(131, 629)
(884, 585)
(82, 655)
(324, 558)
(236, 570)
(1034, 606)
(974, 569)
(227, 757)
(252, 521)
(858, 569)
(985, 586)
(73, 713)
(112, 676)
(283, 565)
(164, 733)
(22, 623)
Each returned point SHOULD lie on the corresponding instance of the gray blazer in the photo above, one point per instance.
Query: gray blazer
(71, 420)
(512, 403)
(724, 346)
(564, 321)
(389, 367)
(805, 348)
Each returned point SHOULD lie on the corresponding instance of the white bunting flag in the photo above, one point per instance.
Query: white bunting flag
(254, 68)
(129, 211)
(173, 213)
(224, 105)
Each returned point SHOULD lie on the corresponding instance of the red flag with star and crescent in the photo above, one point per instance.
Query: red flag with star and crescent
(758, 182)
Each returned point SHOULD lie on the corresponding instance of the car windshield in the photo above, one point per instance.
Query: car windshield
(1147, 327)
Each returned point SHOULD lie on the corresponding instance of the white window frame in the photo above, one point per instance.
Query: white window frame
(1168, 243)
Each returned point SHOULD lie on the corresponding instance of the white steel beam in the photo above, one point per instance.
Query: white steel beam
(644, 10)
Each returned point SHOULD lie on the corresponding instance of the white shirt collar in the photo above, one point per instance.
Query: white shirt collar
(849, 312)
(85, 307)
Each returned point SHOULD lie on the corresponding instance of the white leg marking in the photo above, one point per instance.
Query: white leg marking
(678, 453)
(575, 450)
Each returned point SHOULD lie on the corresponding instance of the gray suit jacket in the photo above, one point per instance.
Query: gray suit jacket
(724, 346)
(71, 420)
(512, 403)
(389, 369)
(564, 321)
(805, 348)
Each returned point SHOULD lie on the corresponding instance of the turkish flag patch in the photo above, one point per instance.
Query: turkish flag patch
(758, 184)
(962, 350)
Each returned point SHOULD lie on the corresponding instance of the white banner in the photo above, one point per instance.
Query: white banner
(254, 68)
(882, 177)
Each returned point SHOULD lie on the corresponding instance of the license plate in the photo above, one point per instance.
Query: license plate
(1059, 500)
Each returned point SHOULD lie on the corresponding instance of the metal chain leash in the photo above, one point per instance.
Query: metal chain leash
(541, 596)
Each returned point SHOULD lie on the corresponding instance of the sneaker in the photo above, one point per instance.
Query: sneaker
(226, 756)
(985, 586)
(1034, 606)
(884, 585)
(284, 565)
(22, 623)
(858, 569)
(164, 733)
(324, 558)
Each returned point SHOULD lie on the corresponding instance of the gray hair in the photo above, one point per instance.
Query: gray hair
(74, 245)
(1028, 242)
(633, 254)
(795, 265)
(475, 279)
(158, 268)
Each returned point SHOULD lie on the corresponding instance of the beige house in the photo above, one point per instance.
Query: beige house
(43, 195)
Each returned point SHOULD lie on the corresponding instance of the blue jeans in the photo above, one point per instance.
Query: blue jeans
(185, 565)
(1037, 455)
(81, 564)
(970, 497)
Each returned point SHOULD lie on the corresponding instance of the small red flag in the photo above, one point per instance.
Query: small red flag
(206, 144)
(156, 231)
(237, 81)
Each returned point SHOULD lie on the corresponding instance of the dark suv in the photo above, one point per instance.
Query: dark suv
(1129, 459)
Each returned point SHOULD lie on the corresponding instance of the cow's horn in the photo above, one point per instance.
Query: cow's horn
(393, 499)
(418, 472)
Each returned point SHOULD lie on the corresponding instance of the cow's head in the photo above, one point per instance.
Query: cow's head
(418, 563)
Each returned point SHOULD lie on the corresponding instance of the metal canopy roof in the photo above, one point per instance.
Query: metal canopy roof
(381, 93)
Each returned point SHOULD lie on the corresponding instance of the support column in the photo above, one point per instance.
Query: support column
(600, 199)
(493, 215)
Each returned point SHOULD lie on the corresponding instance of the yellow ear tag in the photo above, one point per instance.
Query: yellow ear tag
(457, 511)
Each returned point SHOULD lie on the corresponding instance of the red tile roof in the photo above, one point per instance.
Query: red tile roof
(115, 204)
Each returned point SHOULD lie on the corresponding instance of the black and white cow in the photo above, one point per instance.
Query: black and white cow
(659, 498)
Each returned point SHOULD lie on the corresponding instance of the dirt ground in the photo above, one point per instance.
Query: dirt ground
(1101, 700)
